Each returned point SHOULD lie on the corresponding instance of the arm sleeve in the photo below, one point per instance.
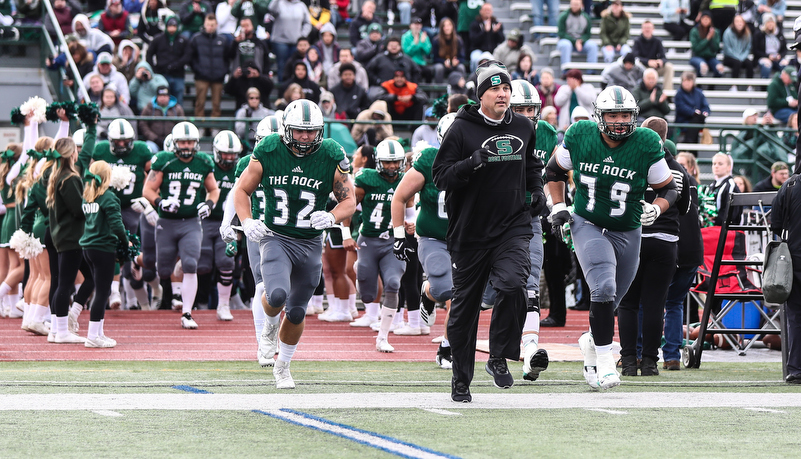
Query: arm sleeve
(229, 210)
(63, 130)
(658, 172)
(85, 156)
(563, 158)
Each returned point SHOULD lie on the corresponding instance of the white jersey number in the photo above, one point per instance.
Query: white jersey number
(282, 206)
(618, 193)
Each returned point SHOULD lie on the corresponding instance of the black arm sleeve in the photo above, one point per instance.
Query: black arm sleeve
(669, 192)
(554, 172)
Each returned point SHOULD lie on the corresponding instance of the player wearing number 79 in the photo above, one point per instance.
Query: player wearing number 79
(612, 169)
(181, 186)
(297, 172)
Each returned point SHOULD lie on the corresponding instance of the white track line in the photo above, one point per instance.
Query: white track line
(109, 413)
(442, 412)
(606, 411)
(424, 400)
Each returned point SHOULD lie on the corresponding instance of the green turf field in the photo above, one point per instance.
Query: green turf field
(347, 409)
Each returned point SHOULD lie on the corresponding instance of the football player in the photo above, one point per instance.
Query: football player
(613, 163)
(297, 172)
(182, 187)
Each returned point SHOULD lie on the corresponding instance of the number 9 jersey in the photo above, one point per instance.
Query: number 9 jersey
(184, 182)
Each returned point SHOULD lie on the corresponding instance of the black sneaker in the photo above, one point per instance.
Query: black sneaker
(460, 391)
(496, 367)
(428, 311)
(628, 365)
(649, 367)
(444, 358)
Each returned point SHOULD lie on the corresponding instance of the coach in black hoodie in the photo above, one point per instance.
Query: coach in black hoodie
(485, 164)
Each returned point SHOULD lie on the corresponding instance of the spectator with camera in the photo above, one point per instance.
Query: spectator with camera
(167, 55)
(144, 85)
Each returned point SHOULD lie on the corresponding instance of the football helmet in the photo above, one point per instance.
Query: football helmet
(303, 115)
(228, 144)
(524, 94)
(616, 99)
(185, 131)
(169, 145)
(269, 125)
(389, 151)
(121, 137)
(77, 137)
(444, 124)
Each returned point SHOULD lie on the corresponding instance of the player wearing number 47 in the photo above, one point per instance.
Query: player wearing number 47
(613, 163)
(181, 186)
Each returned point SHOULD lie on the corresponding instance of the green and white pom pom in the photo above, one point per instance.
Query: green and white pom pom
(121, 177)
(25, 244)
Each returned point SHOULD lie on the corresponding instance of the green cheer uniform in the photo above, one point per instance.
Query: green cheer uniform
(611, 181)
(136, 160)
(296, 186)
(377, 202)
(432, 221)
(182, 181)
(103, 228)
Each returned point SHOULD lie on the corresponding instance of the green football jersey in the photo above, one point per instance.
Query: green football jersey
(257, 198)
(135, 161)
(377, 202)
(296, 186)
(546, 141)
(611, 182)
(183, 181)
(225, 181)
(432, 221)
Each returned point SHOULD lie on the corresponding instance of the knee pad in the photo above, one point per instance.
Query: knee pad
(189, 266)
(136, 284)
(438, 265)
(441, 297)
(225, 277)
(164, 272)
(202, 267)
(392, 284)
(277, 298)
(606, 290)
(148, 275)
(296, 315)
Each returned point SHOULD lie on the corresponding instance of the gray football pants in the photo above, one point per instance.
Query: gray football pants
(291, 270)
(177, 238)
(436, 262)
(377, 258)
(212, 249)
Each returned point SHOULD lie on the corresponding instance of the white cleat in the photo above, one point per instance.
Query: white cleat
(268, 343)
(224, 312)
(51, 337)
(100, 342)
(335, 317)
(377, 325)
(608, 377)
(535, 361)
(264, 359)
(383, 345)
(188, 322)
(587, 346)
(114, 300)
(363, 321)
(283, 379)
(155, 300)
(177, 304)
(72, 322)
(406, 330)
(68, 338)
(39, 328)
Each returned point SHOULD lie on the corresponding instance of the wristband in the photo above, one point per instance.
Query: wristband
(410, 214)
(558, 207)
(158, 203)
(345, 232)
(400, 232)
(210, 203)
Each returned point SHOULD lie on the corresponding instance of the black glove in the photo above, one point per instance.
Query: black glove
(537, 203)
(559, 217)
(402, 249)
(475, 162)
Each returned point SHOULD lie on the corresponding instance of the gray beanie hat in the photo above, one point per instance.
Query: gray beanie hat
(491, 74)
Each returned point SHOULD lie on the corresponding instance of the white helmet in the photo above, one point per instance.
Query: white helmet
(389, 151)
(121, 137)
(185, 131)
(524, 94)
(226, 142)
(77, 137)
(169, 145)
(269, 125)
(616, 99)
(444, 124)
(303, 115)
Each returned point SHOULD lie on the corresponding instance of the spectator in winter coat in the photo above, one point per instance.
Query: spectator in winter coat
(674, 13)
(778, 8)
(168, 54)
(382, 67)
(416, 44)
(782, 95)
(350, 98)
(525, 70)
(111, 108)
(292, 93)
(691, 106)
(314, 66)
(115, 22)
(625, 73)
(371, 134)
(253, 110)
(94, 40)
(249, 65)
(486, 33)
(615, 31)
(65, 11)
(163, 104)
(110, 75)
(311, 90)
(126, 59)
(736, 48)
(769, 47)
(779, 173)
(133, 6)
(346, 57)
(152, 20)
(210, 53)
(83, 60)
(650, 53)
(369, 47)
(574, 33)
(256, 10)
(301, 48)
(405, 100)
(327, 47)
(584, 93)
(548, 89)
(705, 44)
(427, 132)
(650, 98)
(358, 29)
(192, 14)
(292, 21)
(319, 15)
(447, 51)
(143, 86)
(510, 51)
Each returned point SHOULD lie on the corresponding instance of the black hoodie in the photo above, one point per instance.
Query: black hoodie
(488, 206)
(668, 221)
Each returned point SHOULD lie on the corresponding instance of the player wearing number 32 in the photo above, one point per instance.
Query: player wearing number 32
(297, 172)
(612, 169)
(182, 187)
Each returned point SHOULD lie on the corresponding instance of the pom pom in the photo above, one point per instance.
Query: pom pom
(17, 118)
(129, 252)
(37, 106)
(707, 208)
(121, 177)
(69, 109)
(25, 244)
(419, 147)
(440, 106)
(89, 114)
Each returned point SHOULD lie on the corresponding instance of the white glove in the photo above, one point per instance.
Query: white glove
(650, 212)
(255, 230)
(203, 210)
(321, 220)
(151, 215)
(227, 233)
(677, 177)
(140, 204)
(170, 205)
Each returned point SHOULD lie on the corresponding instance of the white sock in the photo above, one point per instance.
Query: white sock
(177, 288)
(331, 302)
(259, 316)
(224, 293)
(141, 297)
(53, 323)
(603, 349)
(115, 287)
(13, 299)
(62, 325)
(349, 308)
(398, 319)
(76, 309)
(317, 302)
(286, 351)
(94, 330)
(155, 284)
(40, 312)
(532, 325)
(273, 320)
(414, 319)
(188, 291)
(4, 289)
(387, 317)
(130, 296)
(352, 303)
(372, 309)
(102, 324)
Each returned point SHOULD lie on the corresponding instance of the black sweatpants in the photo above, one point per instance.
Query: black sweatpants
(556, 265)
(412, 280)
(52, 256)
(792, 311)
(69, 263)
(101, 264)
(649, 291)
(507, 267)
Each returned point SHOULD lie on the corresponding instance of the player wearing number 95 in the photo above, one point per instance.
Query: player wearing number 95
(182, 187)
(613, 163)
(297, 172)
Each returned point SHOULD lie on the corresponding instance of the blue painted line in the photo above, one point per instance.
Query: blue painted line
(191, 389)
(373, 440)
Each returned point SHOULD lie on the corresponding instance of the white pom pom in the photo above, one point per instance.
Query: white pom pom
(121, 177)
(37, 106)
(25, 244)
(420, 146)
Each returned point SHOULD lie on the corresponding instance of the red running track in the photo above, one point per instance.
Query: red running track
(157, 335)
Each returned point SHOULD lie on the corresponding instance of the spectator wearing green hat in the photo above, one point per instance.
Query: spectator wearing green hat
(782, 95)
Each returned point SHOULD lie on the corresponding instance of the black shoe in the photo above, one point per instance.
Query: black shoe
(582, 306)
(648, 367)
(793, 379)
(444, 358)
(428, 313)
(496, 367)
(460, 391)
(550, 322)
(628, 365)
